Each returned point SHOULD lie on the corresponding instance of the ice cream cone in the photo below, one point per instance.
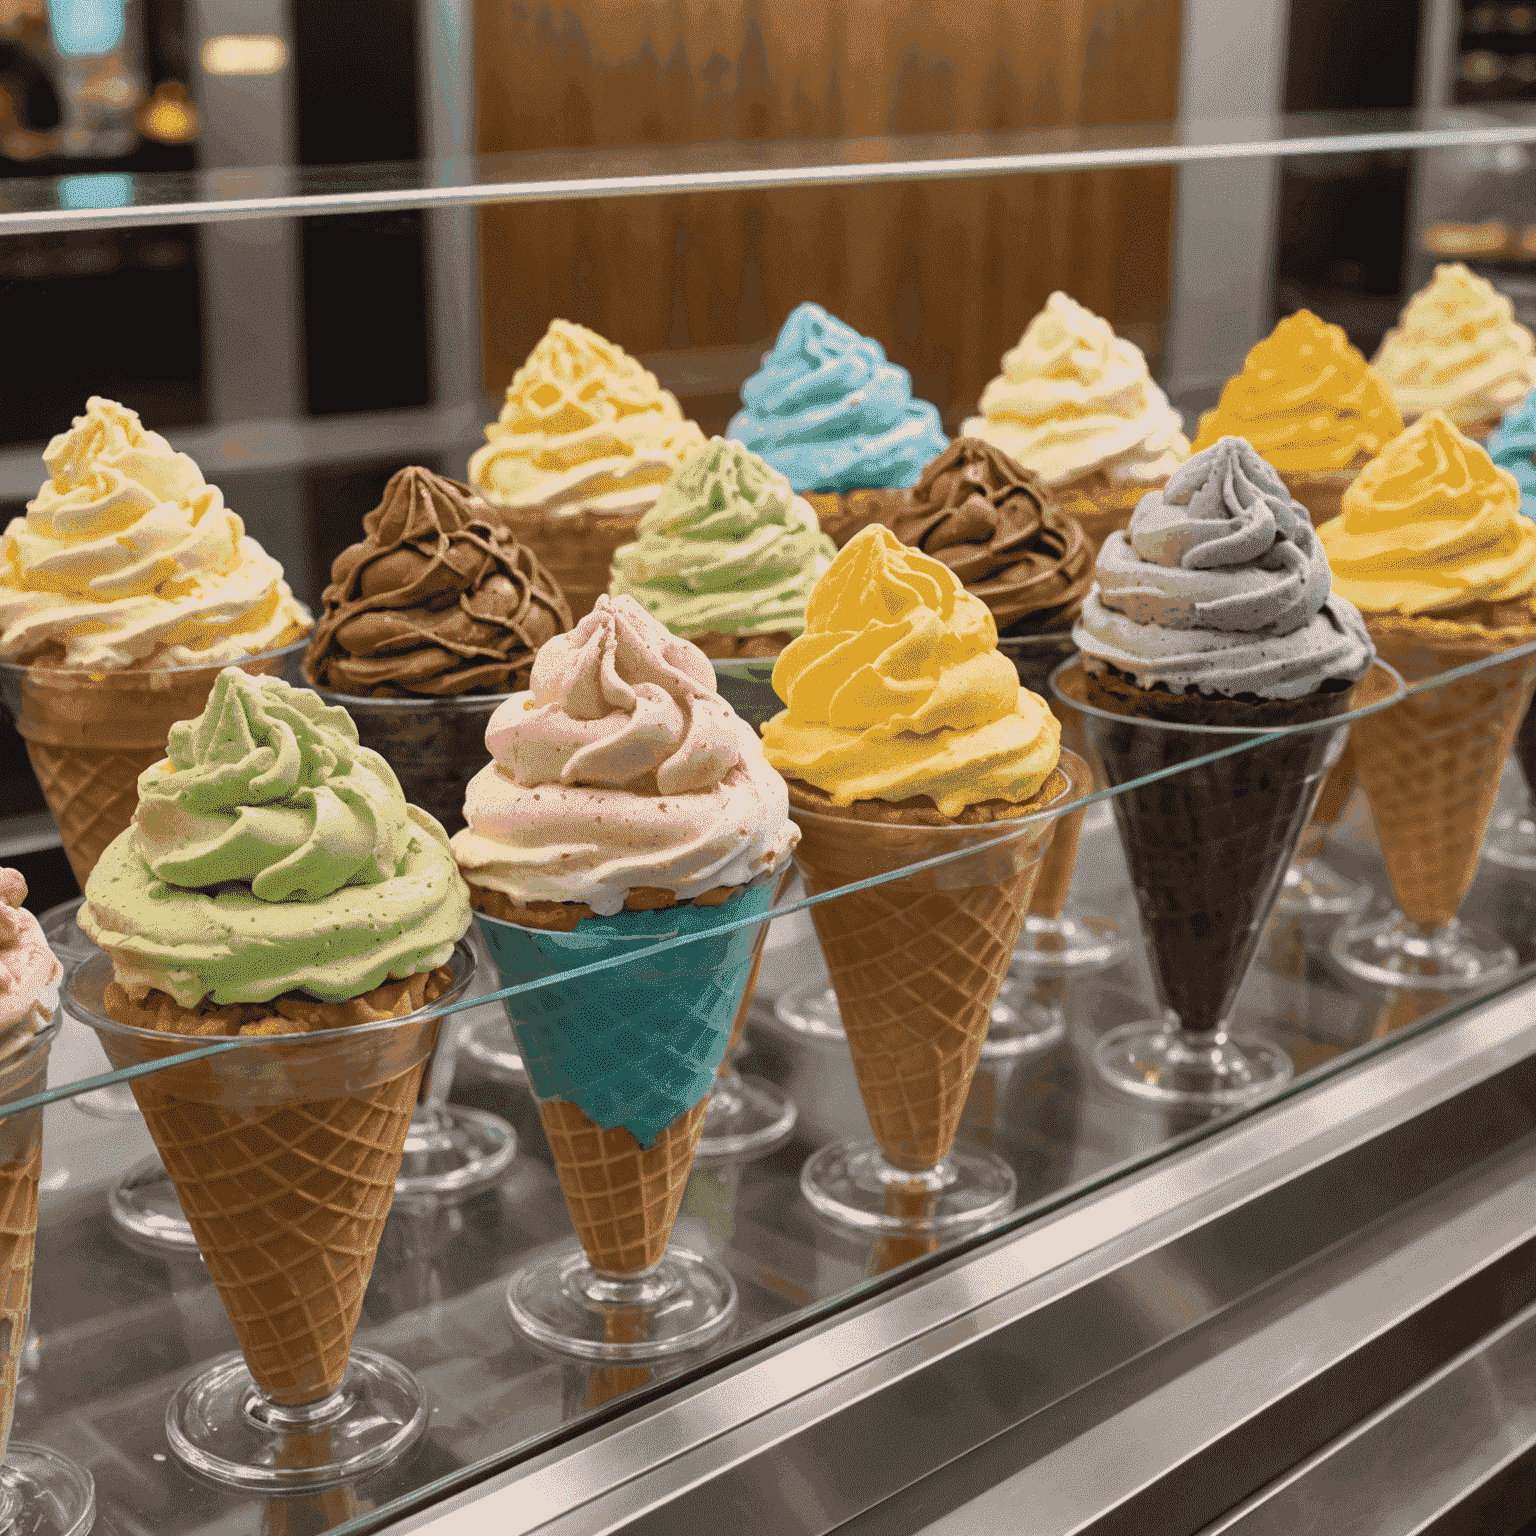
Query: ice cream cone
(1430, 766)
(623, 1198)
(917, 962)
(575, 545)
(90, 736)
(1321, 493)
(21, 1150)
(283, 1152)
(1100, 504)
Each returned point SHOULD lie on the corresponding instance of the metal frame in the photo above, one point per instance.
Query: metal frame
(1014, 1341)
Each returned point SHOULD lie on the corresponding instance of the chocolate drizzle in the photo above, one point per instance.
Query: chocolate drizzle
(439, 599)
(994, 524)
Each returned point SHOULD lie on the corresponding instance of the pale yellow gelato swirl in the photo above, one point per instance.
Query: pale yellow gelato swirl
(897, 689)
(1074, 398)
(584, 425)
(1458, 348)
(128, 557)
(1430, 526)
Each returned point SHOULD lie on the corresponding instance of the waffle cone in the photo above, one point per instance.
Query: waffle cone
(1430, 765)
(18, 1243)
(918, 961)
(90, 737)
(575, 546)
(287, 1203)
(623, 1198)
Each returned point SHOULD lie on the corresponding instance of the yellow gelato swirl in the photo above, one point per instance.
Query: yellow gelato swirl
(1074, 398)
(1431, 525)
(896, 689)
(128, 557)
(584, 426)
(1457, 348)
(1306, 400)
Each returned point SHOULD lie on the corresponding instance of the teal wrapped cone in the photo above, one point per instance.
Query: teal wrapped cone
(639, 1044)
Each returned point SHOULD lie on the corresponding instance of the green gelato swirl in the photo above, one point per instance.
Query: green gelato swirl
(728, 548)
(272, 853)
(269, 786)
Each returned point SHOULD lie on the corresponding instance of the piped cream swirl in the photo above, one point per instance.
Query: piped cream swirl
(1221, 584)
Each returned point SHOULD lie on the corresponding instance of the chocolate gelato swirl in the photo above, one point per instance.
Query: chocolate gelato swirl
(993, 523)
(1221, 585)
(438, 599)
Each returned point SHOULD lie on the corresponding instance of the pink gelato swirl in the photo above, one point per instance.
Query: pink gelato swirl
(29, 970)
(621, 768)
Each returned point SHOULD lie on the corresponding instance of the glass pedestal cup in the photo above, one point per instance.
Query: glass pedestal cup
(916, 963)
(1207, 850)
(1312, 888)
(40, 1490)
(436, 746)
(90, 734)
(1058, 935)
(1430, 767)
(284, 1150)
(1511, 840)
(639, 1046)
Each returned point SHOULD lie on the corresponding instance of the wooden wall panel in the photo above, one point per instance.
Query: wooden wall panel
(945, 274)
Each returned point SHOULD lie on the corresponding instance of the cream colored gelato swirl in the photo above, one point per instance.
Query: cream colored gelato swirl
(1074, 398)
(128, 557)
(584, 425)
(29, 971)
(269, 786)
(1221, 584)
(621, 768)
(1457, 348)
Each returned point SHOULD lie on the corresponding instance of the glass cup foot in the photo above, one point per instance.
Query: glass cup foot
(44, 1494)
(220, 1425)
(746, 1118)
(852, 1184)
(810, 1009)
(491, 1045)
(1312, 889)
(1511, 840)
(1072, 942)
(680, 1304)
(1155, 1059)
(453, 1152)
(146, 1212)
(1397, 953)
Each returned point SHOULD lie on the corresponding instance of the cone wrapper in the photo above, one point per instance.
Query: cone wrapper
(636, 1046)
(284, 1154)
(917, 962)
(21, 1150)
(90, 736)
(1431, 764)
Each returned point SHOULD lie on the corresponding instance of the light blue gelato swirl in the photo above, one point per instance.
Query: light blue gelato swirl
(1513, 447)
(831, 414)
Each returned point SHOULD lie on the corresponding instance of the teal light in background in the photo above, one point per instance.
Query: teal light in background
(81, 28)
(105, 190)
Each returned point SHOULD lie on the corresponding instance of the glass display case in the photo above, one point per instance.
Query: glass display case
(1216, 1189)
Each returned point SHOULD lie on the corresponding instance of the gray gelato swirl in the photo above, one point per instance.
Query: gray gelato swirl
(1220, 584)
